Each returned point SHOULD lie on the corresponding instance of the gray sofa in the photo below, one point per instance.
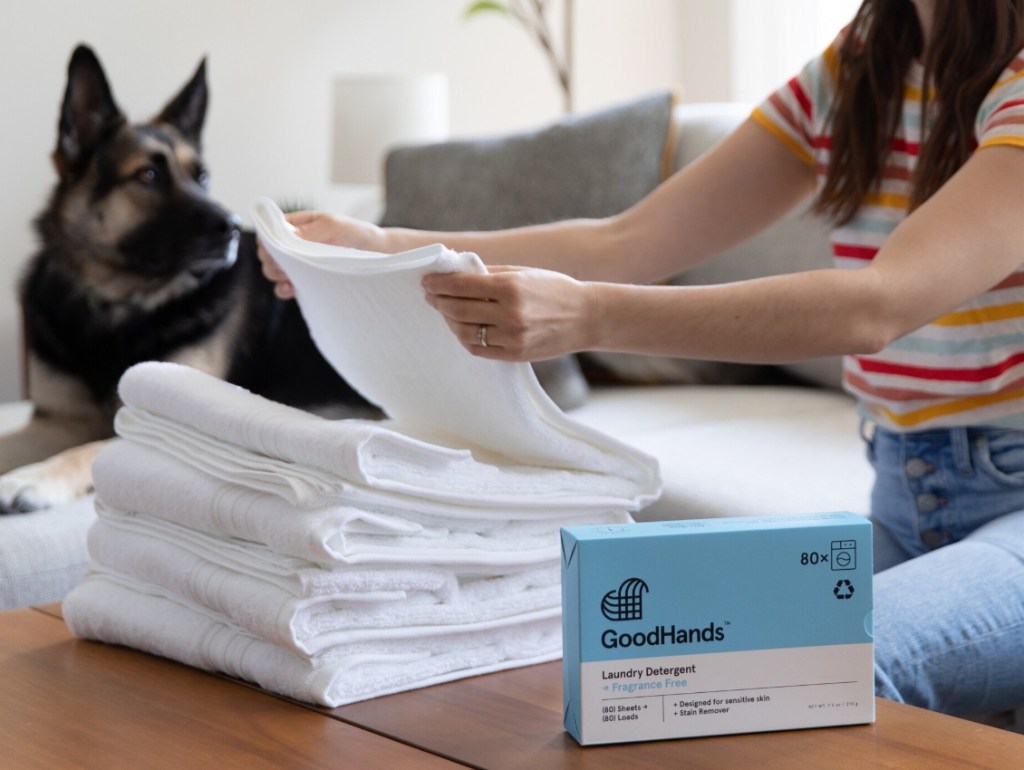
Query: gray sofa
(725, 449)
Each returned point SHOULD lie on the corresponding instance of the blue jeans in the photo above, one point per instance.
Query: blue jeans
(948, 510)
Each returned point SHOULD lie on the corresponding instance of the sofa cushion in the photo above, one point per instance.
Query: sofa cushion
(741, 451)
(591, 165)
(43, 554)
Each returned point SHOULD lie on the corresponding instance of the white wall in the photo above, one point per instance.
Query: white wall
(270, 67)
(703, 61)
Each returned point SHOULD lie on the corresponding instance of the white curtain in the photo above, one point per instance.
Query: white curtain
(772, 39)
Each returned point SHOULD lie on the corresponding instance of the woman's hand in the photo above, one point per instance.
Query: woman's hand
(513, 313)
(321, 228)
(272, 271)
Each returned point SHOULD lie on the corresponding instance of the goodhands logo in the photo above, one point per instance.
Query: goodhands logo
(625, 602)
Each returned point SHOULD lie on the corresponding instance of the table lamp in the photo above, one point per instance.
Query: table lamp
(374, 113)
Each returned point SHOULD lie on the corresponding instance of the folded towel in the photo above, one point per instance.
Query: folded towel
(140, 479)
(296, 576)
(378, 473)
(205, 571)
(110, 609)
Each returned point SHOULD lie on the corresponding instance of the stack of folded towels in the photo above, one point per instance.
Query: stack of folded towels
(337, 560)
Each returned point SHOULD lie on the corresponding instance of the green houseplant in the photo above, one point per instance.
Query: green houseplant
(535, 17)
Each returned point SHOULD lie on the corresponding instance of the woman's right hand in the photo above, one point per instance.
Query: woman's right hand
(321, 228)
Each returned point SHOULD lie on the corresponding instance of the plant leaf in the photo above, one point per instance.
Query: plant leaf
(482, 6)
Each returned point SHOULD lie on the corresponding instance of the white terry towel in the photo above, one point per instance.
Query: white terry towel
(198, 569)
(139, 479)
(368, 315)
(296, 576)
(384, 474)
(108, 609)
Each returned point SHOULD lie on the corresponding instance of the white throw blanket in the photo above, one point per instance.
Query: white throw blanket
(121, 611)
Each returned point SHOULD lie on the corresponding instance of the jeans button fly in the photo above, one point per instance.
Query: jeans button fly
(927, 502)
(916, 467)
(933, 538)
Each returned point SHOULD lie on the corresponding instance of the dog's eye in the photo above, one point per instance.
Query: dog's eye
(202, 178)
(148, 175)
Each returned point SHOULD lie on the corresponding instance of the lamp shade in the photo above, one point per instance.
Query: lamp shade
(373, 114)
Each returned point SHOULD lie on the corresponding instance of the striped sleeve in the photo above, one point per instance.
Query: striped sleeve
(795, 112)
(1001, 117)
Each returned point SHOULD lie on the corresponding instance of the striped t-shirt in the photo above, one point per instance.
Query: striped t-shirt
(967, 367)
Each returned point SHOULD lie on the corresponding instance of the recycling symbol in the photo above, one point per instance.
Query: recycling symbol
(843, 589)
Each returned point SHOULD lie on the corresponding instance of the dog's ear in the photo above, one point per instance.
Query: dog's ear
(187, 110)
(88, 113)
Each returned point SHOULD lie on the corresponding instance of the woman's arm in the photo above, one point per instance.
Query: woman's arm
(734, 190)
(961, 242)
(737, 188)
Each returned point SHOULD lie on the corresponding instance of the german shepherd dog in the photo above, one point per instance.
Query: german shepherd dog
(137, 262)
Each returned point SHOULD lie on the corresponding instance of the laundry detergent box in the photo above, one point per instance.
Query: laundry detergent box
(676, 629)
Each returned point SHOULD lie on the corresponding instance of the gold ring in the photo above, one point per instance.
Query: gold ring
(481, 335)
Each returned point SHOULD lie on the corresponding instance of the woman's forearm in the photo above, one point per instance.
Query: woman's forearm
(535, 314)
(735, 190)
(582, 248)
(769, 320)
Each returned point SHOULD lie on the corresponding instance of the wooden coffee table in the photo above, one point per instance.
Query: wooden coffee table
(68, 703)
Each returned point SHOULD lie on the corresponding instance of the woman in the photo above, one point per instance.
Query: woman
(909, 131)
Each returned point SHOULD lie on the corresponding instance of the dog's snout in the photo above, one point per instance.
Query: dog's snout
(233, 224)
(216, 222)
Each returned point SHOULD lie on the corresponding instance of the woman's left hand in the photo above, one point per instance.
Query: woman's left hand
(512, 313)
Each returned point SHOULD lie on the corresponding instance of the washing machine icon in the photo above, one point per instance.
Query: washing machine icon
(844, 555)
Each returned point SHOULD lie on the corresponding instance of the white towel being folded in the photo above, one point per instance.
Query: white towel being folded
(106, 608)
(206, 572)
(367, 313)
(139, 479)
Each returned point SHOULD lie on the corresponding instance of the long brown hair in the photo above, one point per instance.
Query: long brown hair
(971, 44)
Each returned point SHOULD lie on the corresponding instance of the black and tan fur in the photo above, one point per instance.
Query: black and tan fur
(137, 262)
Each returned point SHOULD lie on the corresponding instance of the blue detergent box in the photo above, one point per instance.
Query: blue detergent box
(677, 629)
